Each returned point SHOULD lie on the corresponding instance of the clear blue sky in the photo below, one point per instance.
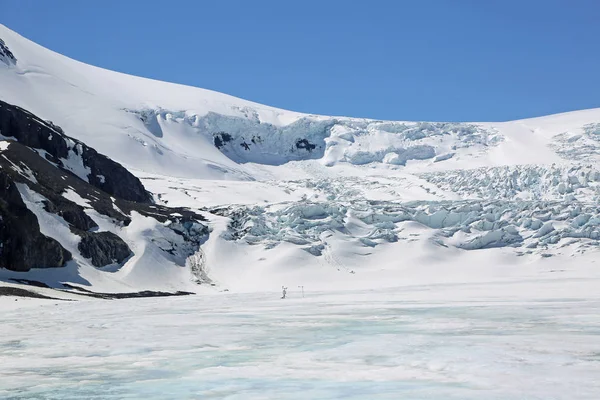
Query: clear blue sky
(396, 59)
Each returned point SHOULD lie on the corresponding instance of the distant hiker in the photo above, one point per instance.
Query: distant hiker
(284, 289)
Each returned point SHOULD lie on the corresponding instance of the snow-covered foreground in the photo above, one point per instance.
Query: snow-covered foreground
(491, 340)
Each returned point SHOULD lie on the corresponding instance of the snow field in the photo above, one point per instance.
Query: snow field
(496, 340)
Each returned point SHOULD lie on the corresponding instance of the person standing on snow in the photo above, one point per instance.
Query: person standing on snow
(284, 289)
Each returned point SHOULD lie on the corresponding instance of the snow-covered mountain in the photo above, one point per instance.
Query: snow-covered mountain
(70, 216)
(309, 199)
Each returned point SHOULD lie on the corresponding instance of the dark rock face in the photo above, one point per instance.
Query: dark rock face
(23, 245)
(33, 163)
(70, 212)
(6, 55)
(221, 138)
(18, 292)
(103, 248)
(105, 174)
(113, 178)
(31, 131)
(305, 144)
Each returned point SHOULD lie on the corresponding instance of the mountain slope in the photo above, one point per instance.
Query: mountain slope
(72, 216)
(332, 201)
(172, 129)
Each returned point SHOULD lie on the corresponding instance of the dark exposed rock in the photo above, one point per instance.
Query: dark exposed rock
(245, 145)
(103, 248)
(71, 212)
(50, 182)
(221, 211)
(6, 55)
(31, 131)
(23, 245)
(221, 138)
(305, 144)
(31, 283)
(132, 295)
(113, 178)
(105, 174)
(33, 163)
(18, 292)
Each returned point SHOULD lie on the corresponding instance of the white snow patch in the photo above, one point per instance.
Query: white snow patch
(73, 196)
(51, 225)
(74, 162)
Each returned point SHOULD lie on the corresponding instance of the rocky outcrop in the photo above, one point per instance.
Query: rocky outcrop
(37, 181)
(22, 245)
(103, 248)
(64, 151)
(113, 178)
(20, 164)
(6, 55)
(73, 213)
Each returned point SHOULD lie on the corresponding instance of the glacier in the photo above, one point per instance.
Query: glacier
(439, 259)
(286, 192)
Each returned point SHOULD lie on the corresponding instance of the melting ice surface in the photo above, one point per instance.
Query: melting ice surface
(503, 340)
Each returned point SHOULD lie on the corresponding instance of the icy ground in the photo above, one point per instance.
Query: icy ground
(501, 339)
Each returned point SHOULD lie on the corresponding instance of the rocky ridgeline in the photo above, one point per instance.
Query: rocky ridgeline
(77, 187)
(6, 56)
(70, 154)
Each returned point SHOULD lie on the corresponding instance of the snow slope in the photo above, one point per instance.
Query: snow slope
(168, 128)
(331, 201)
